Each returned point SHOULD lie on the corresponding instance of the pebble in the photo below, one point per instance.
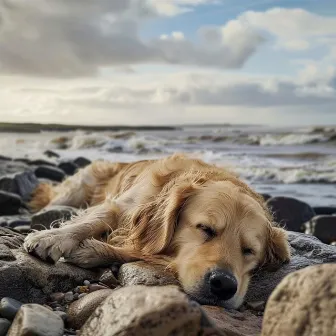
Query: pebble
(95, 287)
(109, 279)
(4, 326)
(63, 315)
(76, 295)
(58, 297)
(86, 283)
(81, 295)
(59, 309)
(68, 297)
(9, 307)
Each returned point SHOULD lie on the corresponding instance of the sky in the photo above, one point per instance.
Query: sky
(150, 62)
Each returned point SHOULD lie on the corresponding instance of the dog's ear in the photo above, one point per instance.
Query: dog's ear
(277, 248)
(154, 223)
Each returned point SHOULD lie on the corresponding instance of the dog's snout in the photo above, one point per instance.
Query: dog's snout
(222, 284)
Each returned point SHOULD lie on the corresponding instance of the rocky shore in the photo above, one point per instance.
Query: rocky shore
(137, 299)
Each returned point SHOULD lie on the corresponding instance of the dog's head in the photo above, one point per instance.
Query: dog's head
(216, 233)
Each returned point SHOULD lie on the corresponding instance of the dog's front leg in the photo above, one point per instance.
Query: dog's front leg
(50, 245)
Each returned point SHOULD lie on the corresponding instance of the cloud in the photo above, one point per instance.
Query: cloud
(64, 39)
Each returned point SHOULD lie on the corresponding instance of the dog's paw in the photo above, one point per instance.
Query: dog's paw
(50, 245)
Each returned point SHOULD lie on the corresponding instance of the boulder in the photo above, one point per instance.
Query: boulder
(82, 162)
(324, 228)
(141, 273)
(306, 251)
(142, 310)
(290, 212)
(28, 279)
(303, 304)
(33, 319)
(10, 203)
(51, 215)
(68, 167)
(50, 173)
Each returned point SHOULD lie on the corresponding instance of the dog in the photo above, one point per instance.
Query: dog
(199, 220)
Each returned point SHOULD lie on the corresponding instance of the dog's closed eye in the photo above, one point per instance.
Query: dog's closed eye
(207, 231)
(247, 251)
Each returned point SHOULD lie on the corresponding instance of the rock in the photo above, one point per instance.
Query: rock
(68, 167)
(28, 279)
(306, 251)
(14, 221)
(51, 215)
(9, 307)
(33, 319)
(290, 212)
(80, 310)
(82, 162)
(51, 154)
(49, 172)
(143, 310)
(141, 273)
(68, 297)
(323, 227)
(12, 167)
(310, 297)
(58, 297)
(10, 203)
(109, 279)
(25, 184)
(325, 210)
(62, 315)
(24, 229)
(41, 162)
(86, 283)
(234, 323)
(4, 326)
(95, 287)
(266, 197)
(5, 158)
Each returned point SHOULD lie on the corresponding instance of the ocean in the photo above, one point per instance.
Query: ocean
(295, 162)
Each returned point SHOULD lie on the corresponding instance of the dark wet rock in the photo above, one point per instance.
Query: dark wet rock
(82, 162)
(50, 173)
(41, 162)
(14, 221)
(143, 310)
(22, 184)
(80, 310)
(5, 158)
(51, 154)
(33, 319)
(10, 203)
(51, 215)
(68, 167)
(4, 326)
(22, 160)
(325, 210)
(109, 279)
(290, 212)
(306, 251)
(323, 227)
(9, 307)
(141, 273)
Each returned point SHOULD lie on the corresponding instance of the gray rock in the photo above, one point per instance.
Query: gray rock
(24, 229)
(4, 326)
(50, 173)
(14, 221)
(50, 154)
(10, 203)
(33, 319)
(109, 279)
(323, 227)
(150, 311)
(28, 279)
(12, 167)
(51, 215)
(9, 307)
(290, 212)
(306, 251)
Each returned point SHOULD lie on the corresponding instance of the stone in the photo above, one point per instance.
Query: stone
(306, 251)
(234, 323)
(41, 162)
(303, 304)
(14, 221)
(290, 212)
(12, 167)
(58, 297)
(51, 154)
(141, 273)
(5, 158)
(109, 279)
(51, 215)
(4, 326)
(10, 203)
(24, 229)
(143, 310)
(68, 167)
(324, 228)
(68, 297)
(86, 283)
(82, 162)
(62, 315)
(50, 173)
(94, 287)
(79, 311)
(33, 319)
(9, 307)
(266, 197)
(28, 279)
(325, 210)
(25, 184)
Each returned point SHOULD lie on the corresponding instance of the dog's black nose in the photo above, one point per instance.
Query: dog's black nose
(222, 284)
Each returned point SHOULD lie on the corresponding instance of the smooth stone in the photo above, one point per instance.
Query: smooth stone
(81, 162)
(86, 283)
(50, 173)
(324, 210)
(95, 287)
(303, 304)
(68, 297)
(80, 310)
(36, 320)
(290, 212)
(82, 295)
(4, 326)
(9, 307)
(58, 297)
(69, 167)
(109, 279)
(51, 215)
(10, 203)
(50, 154)
(41, 162)
(63, 315)
(324, 228)
(24, 229)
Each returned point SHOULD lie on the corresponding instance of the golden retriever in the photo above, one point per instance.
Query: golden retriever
(201, 221)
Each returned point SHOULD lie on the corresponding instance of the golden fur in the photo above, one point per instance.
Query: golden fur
(178, 211)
